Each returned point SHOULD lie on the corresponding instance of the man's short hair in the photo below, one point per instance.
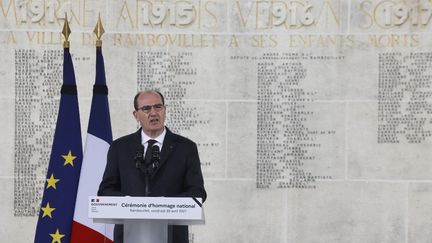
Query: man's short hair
(135, 102)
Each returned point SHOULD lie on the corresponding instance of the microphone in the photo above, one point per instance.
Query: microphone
(155, 156)
(149, 165)
(139, 157)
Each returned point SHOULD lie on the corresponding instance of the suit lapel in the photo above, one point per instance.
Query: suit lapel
(168, 147)
(137, 137)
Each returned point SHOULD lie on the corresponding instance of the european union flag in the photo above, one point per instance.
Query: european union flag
(58, 202)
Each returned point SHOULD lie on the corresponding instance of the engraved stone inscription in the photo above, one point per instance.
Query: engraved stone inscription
(166, 72)
(38, 76)
(284, 140)
(404, 97)
(173, 74)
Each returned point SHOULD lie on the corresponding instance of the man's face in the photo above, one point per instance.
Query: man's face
(151, 113)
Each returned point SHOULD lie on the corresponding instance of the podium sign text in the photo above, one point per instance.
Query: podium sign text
(183, 208)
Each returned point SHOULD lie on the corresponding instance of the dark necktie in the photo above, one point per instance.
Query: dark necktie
(147, 156)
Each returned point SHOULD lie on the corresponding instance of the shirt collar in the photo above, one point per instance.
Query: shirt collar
(159, 139)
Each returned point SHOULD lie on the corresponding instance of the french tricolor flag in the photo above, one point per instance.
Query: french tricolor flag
(99, 138)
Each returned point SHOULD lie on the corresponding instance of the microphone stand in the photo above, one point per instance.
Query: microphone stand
(151, 166)
(142, 165)
(147, 166)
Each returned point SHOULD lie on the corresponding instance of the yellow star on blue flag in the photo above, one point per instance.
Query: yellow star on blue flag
(56, 237)
(47, 211)
(69, 158)
(62, 176)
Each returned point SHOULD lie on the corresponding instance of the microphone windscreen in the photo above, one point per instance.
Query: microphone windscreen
(155, 148)
(155, 154)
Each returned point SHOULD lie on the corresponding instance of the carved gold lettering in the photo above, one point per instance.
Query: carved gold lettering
(61, 10)
(423, 14)
(140, 39)
(85, 12)
(243, 20)
(151, 40)
(54, 38)
(321, 41)
(117, 39)
(260, 10)
(130, 40)
(11, 38)
(31, 36)
(349, 41)
(142, 13)
(164, 40)
(6, 11)
(185, 14)
(45, 12)
(122, 17)
(210, 13)
(172, 39)
(329, 13)
(187, 42)
(88, 39)
(393, 40)
(368, 16)
(292, 41)
(270, 14)
(326, 40)
(51, 11)
(40, 38)
(75, 14)
(180, 14)
(388, 14)
(264, 41)
(382, 14)
(306, 40)
(415, 41)
(207, 41)
(279, 14)
(234, 42)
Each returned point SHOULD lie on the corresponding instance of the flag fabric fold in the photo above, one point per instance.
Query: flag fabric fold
(99, 138)
(58, 201)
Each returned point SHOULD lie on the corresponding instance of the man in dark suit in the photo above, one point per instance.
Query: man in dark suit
(178, 173)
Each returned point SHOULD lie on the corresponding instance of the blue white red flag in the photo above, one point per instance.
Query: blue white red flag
(99, 138)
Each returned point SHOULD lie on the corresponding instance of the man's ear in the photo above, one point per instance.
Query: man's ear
(134, 113)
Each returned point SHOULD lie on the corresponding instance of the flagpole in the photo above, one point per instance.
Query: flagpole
(99, 138)
(64, 167)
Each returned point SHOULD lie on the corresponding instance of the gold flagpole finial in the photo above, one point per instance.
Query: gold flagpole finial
(66, 32)
(99, 31)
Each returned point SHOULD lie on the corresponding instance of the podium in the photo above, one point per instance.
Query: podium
(146, 219)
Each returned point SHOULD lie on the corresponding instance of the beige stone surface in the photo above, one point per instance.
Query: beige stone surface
(366, 191)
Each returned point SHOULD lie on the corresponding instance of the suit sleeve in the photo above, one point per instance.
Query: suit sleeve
(194, 183)
(111, 184)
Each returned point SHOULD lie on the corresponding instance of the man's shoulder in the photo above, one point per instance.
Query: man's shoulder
(126, 138)
(180, 139)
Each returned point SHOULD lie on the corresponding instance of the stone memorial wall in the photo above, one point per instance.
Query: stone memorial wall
(313, 118)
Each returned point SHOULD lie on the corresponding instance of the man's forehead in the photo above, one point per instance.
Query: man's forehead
(149, 96)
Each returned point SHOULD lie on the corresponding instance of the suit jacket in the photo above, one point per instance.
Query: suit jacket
(178, 175)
